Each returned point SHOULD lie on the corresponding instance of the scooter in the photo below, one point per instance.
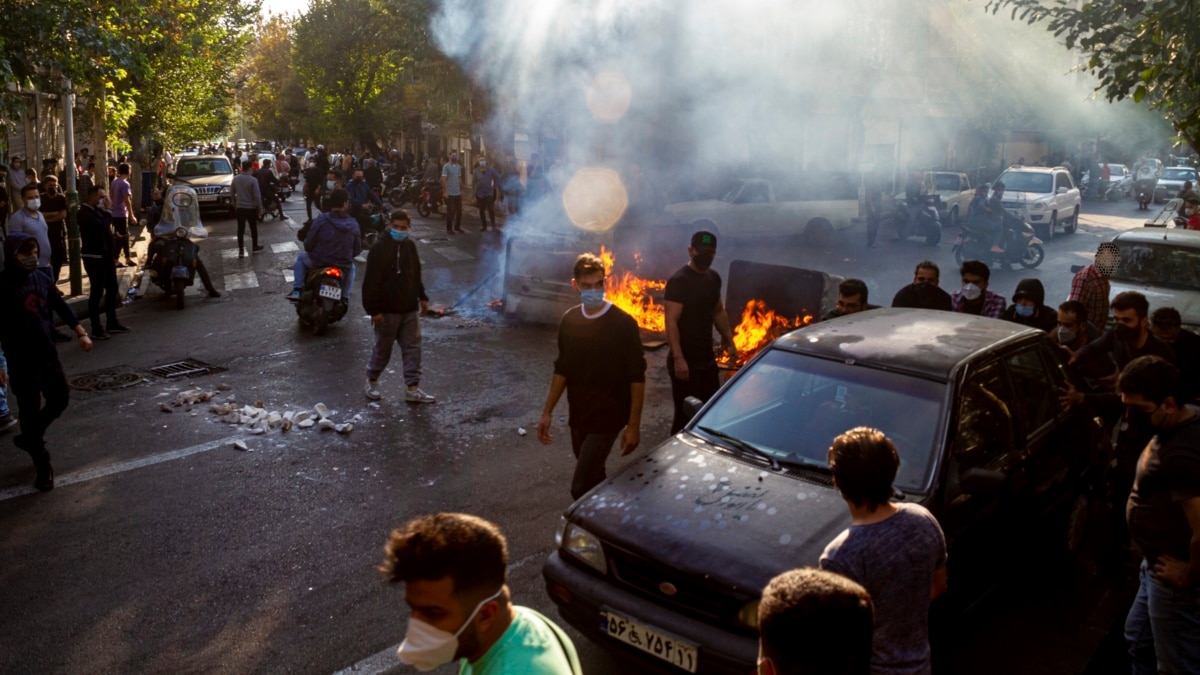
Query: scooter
(320, 302)
(1143, 189)
(1118, 190)
(379, 219)
(923, 221)
(430, 199)
(1024, 248)
(174, 254)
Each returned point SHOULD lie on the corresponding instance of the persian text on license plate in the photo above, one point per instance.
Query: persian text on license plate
(207, 198)
(331, 292)
(666, 647)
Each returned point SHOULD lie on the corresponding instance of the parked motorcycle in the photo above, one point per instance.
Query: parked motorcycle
(173, 251)
(407, 190)
(430, 199)
(320, 302)
(922, 221)
(1023, 247)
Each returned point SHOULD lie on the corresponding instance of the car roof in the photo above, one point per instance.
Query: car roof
(1158, 235)
(195, 157)
(1037, 169)
(925, 342)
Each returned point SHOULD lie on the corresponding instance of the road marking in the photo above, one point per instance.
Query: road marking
(228, 253)
(289, 276)
(454, 254)
(285, 247)
(120, 467)
(241, 280)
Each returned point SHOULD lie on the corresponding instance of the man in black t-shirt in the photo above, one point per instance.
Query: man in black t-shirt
(601, 367)
(693, 306)
(1163, 512)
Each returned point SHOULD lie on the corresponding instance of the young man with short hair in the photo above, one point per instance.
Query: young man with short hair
(923, 292)
(601, 367)
(852, 299)
(896, 551)
(454, 568)
(1074, 330)
(813, 622)
(974, 297)
(248, 207)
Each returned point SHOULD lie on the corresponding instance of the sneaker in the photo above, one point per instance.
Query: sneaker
(418, 396)
(7, 422)
(100, 335)
(117, 328)
(372, 390)
(294, 296)
(256, 249)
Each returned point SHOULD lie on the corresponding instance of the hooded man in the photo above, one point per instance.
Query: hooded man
(333, 239)
(1029, 307)
(28, 302)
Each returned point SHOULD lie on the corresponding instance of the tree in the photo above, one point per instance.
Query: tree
(1147, 51)
(270, 95)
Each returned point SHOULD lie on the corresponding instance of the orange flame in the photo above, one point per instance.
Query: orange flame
(759, 326)
(633, 295)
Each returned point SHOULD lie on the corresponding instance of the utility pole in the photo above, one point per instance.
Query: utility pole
(73, 242)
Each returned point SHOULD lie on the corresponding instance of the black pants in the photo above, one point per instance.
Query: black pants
(31, 383)
(102, 275)
(872, 229)
(309, 198)
(591, 452)
(121, 237)
(703, 381)
(57, 233)
(244, 217)
(486, 205)
(453, 212)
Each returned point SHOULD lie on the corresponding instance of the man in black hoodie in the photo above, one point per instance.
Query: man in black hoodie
(1029, 307)
(28, 302)
(394, 296)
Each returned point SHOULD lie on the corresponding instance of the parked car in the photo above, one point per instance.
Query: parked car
(952, 189)
(1171, 182)
(1044, 197)
(664, 562)
(812, 206)
(211, 176)
(1163, 265)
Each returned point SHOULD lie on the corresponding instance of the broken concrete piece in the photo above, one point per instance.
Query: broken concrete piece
(256, 431)
(241, 445)
(326, 424)
(344, 428)
(223, 387)
(521, 431)
(165, 408)
(305, 424)
(301, 416)
(321, 410)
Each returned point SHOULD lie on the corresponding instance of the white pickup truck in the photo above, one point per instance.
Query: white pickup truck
(758, 208)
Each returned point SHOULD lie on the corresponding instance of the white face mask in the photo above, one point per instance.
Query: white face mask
(426, 647)
(33, 204)
(971, 291)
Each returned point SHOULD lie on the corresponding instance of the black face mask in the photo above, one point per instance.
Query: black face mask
(703, 261)
(1126, 333)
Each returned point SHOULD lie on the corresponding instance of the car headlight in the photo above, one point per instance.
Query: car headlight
(584, 546)
(181, 232)
(225, 190)
(748, 615)
(1041, 205)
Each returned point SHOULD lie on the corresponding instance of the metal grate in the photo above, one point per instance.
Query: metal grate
(111, 378)
(184, 368)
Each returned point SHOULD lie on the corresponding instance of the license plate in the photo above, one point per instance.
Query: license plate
(207, 198)
(666, 647)
(179, 272)
(331, 292)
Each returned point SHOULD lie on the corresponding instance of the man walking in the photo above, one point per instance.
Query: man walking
(248, 207)
(896, 551)
(1164, 521)
(454, 570)
(452, 189)
(487, 185)
(693, 306)
(601, 367)
(96, 239)
(122, 211)
(394, 296)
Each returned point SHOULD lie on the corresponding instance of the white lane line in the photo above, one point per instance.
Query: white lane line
(289, 275)
(228, 253)
(120, 467)
(241, 280)
(285, 247)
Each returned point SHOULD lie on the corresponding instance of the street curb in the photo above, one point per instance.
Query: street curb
(125, 276)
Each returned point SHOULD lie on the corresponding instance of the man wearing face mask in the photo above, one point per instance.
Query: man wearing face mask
(974, 297)
(923, 292)
(1167, 325)
(487, 183)
(452, 188)
(54, 210)
(1163, 512)
(1090, 284)
(601, 367)
(1029, 307)
(693, 306)
(360, 195)
(1074, 330)
(394, 296)
(332, 239)
(454, 568)
(1191, 210)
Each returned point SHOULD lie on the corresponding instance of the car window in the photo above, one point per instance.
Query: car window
(984, 435)
(1159, 265)
(793, 406)
(202, 167)
(754, 193)
(947, 181)
(1027, 181)
(1035, 390)
(1059, 182)
(1179, 174)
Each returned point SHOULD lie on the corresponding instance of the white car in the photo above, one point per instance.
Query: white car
(1163, 265)
(1170, 183)
(1044, 197)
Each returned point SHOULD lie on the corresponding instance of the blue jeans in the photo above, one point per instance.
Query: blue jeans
(1163, 627)
(4, 390)
(304, 265)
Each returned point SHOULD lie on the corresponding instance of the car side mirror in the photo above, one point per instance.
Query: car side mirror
(982, 481)
(691, 406)
(1061, 191)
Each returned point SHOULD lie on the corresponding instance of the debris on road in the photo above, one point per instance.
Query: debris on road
(257, 419)
(241, 445)
(521, 431)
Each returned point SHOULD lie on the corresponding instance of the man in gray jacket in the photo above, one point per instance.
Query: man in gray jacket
(248, 207)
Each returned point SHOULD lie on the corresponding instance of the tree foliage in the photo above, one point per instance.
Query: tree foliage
(270, 96)
(1145, 50)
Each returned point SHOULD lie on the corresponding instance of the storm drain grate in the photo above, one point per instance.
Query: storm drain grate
(184, 368)
(104, 380)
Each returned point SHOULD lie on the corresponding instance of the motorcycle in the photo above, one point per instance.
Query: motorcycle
(1023, 246)
(173, 251)
(407, 190)
(320, 302)
(1144, 190)
(379, 218)
(430, 199)
(1118, 190)
(922, 221)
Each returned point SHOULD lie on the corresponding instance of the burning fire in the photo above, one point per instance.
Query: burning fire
(632, 294)
(759, 326)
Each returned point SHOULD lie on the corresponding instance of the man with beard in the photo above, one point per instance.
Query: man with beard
(1090, 284)
(923, 292)
(54, 210)
(975, 298)
(454, 570)
(1074, 330)
(693, 307)
(1167, 325)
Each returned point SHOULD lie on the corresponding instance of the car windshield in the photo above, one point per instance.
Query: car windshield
(217, 166)
(1159, 265)
(1179, 174)
(792, 406)
(1021, 181)
(730, 191)
(947, 181)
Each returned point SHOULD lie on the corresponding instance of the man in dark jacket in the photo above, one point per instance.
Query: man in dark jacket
(334, 240)
(99, 259)
(1029, 307)
(394, 296)
(28, 302)
(923, 292)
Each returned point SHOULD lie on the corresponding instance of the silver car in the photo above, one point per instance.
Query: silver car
(1163, 265)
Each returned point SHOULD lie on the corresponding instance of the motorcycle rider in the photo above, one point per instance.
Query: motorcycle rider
(980, 220)
(333, 240)
(1006, 223)
(360, 193)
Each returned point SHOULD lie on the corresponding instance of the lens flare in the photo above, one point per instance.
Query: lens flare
(609, 96)
(595, 199)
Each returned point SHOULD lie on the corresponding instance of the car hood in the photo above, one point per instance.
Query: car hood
(219, 179)
(1187, 302)
(696, 509)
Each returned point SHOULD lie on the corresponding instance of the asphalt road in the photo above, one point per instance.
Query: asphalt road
(164, 548)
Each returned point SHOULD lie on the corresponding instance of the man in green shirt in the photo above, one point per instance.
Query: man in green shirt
(454, 569)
